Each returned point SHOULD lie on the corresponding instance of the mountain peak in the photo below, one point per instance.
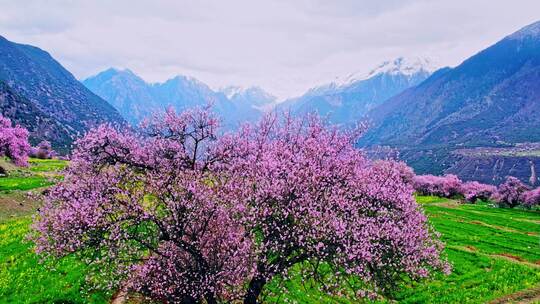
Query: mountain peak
(185, 80)
(111, 73)
(254, 96)
(531, 30)
(233, 91)
(402, 65)
(42, 89)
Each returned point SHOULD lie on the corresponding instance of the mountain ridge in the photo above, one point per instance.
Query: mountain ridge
(346, 101)
(34, 75)
(479, 102)
(492, 99)
(136, 99)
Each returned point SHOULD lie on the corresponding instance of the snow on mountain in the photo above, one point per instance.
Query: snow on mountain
(346, 100)
(531, 30)
(232, 91)
(487, 99)
(406, 66)
(254, 97)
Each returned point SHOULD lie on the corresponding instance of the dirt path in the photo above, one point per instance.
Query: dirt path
(16, 204)
(120, 297)
(124, 297)
(502, 228)
(505, 256)
(527, 296)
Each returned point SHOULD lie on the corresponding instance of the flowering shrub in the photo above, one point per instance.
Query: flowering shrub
(510, 193)
(42, 151)
(531, 198)
(443, 186)
(474, 191)
(14, 142)
(186, 215)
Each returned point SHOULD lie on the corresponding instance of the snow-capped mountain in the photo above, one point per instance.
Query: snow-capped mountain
(250, 103)
(254, 97)
(492, 99)
(494, 96)
(348, 99)
(407, 66)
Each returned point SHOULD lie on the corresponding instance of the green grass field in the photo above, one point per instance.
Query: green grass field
(47, 165)
(495, 255)
(23, 279)
(39, 173)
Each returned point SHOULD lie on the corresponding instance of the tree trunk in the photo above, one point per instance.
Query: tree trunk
(188, 300)
(210, 298)
(254, 290)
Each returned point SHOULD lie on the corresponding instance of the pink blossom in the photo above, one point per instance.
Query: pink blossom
(443, 186)
(183, 213)
(42, 151)
(531, 198)
(474, 191)
(510, 193)
(14, 142)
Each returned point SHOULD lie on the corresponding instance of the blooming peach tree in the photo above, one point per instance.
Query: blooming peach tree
(149, 213)
(531, 198)
(510, 193)
(444, 186)
(14, 142)
(184, 214)
(43, 150)
(473, 191)
(314, 200)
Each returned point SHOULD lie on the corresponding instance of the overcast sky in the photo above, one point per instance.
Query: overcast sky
(283, 46)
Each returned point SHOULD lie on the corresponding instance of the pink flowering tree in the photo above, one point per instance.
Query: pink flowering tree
(182, 214)
(314, 201)
(14, 142)
(474, 191)
(443, 186)
(531, 198)
(150, 213)
(510, 193)
(42, 151)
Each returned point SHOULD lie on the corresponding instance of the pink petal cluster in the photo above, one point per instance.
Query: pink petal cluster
(444, 186)
(42, 151)
(14, 142)
(184, 214)
(510, 193)
(474, 191)
(531, 198)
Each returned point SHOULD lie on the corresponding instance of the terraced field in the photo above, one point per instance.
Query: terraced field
(495, 254)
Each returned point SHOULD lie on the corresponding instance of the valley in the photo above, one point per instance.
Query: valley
(181, 153)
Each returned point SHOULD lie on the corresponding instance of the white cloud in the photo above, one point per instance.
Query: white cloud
(282, 46)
